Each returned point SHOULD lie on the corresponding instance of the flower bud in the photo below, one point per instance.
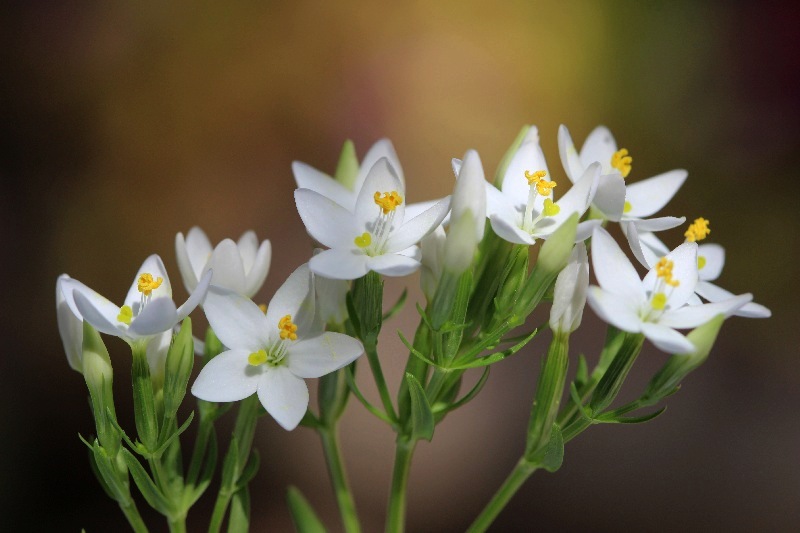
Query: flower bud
(179, 362)
(569, 296)
(432, 247)
(99, 376)
(347, 167)
(70, 327)
(557, 248)
(468, 215)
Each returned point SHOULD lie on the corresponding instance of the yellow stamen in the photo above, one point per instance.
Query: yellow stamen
(534, 177)
(698, 230)
(257, 358)
(627, 208)
(147, 284)
(550, 208)
(664, 271)
(659, 301)
(287, 328)
(544, 187)
(363, 240)
(263, 308)
(389, 201)
(125, 314)
(622, 162)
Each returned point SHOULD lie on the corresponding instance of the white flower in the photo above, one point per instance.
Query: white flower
(569, 295)
(655, 306)
(468, 214)
(627, 204)
(239, 266)
(375, 236)
(330, 297)
(270, 355)
(710, 261)
(70, 326)
(308, 177)
(523, 209)
(148, 309)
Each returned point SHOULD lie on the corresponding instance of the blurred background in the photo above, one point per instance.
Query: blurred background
(125, 124)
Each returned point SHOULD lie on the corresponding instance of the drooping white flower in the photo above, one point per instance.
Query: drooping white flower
(655, 306)
(569, 295)
(710, 261)
(148, 309)
(628, 204)
(239, 266)
(271, 355)
(375, 236)
(523, 209)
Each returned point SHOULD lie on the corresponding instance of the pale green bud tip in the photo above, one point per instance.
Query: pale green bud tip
(96, 365)
(557, 248)
(569, 297)
(703, 337)
(460, 245)
(347, 168)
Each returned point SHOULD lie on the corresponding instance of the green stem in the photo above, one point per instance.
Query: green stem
(341, 487)
(396, 517)
(134, 518)
(177, 524)
(522, 471)
(371, 350)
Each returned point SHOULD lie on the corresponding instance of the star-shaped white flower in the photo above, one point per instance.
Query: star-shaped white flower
(655, 306)
(523, 209)
(148, 309)
(271, 355)
(239, 266)
(630, 205)
(375, 236)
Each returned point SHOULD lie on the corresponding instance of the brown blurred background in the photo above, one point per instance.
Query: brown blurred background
(123, 125)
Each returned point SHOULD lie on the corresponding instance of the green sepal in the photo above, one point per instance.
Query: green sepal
(364, 306)
(230, 465)
(250, 470)
(204, 462)
(303, 516)
(174, 435)
(332, 396)
(440, 409)
(347, 167)
(99, 376)
(610, 418)
(422, 421)
(509, 289)
(147, 487)
(115, 480)
(495, 357)
(509, 155)
(97, 473)
(611, 382)
(582, 374)
(554, 454)
(549, 389)
(178, 369)
(212, 346)
(416, 353)
(351, 384)
(239, 513)
(144, 408)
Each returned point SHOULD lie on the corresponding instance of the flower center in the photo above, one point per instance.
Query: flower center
(698, 230)
(665, 283)
(275, 354)
(538, 187)
(125, 314)
(147, 284)
(388, 201)
(288, 330)
(374, 242)
(622, 162)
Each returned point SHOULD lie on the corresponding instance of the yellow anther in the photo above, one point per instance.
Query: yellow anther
(701, 262)
(125, 314)
(698, 230)
(622, 162)
(550, 208)
(535, 177)
(363, 240)
(659, 301)
(544, 187)
(257, 358)
(389, 201)
(147, 284)
(287, 328)
(664, 271)
(627, 207)
(263, 308)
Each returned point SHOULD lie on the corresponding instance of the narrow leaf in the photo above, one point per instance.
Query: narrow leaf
(151, 494)
(554, 456)
(422, 422)
(303, 515)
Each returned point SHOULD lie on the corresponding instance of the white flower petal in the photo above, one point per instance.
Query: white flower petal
(393, 264)
(691, 316)
(684, 270)
(154, 266)
(599, 147)
(569, 155)
(585, 229)
(415, 229)
(197, 296)
(714, 260)
(648, 196)
(610, 196)
(326, 221)
(284, 396)
(667, 339)
(226, 262)
(528, 157)
(247, 245)
(157, 349)
(382, 148)
(188, 275)
(613, 270)
(643, 254)
(382, 178)
(339, 264)
(497, 203)
(713, 293)
(198, 248)
(294, 298)
(469, 194)
(313, 358)
(258, 269)
(158, 315)
(228, 377)
(655, 224)
(236, 320)
(507, 229)
(70, 326)
(579, 197)
(98, 312)
(614, 309)
(307, 177)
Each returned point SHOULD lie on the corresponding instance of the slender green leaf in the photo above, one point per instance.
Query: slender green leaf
(397, 307)
(303, 515)
(422, 422)
(147, 487)
(554, 456)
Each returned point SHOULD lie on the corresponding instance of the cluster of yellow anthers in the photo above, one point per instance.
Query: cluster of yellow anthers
(542, 185)
(288, 328)
(622, 162)
(664, 271)
(388, 201)
(698, 230)
(147, 284)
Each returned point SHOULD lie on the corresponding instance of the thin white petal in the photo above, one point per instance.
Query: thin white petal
(70, 327)
(714, 260)
(579, 197)
(497, 203)
(585, 229)
(236, 320)
(188, 274)
(294, 298)
(691, 316)
(648, 196)
(613, 270)
(614, 309)
(247, 245)
(259, 269)
(197, 297)
(98, 312)
(610, 196)
(382, 148)
(599, 147)
(569, 155)
(655, 224)
(684, 270)
(313, 358)
(158, 315)
(415, 229)
(393, 264)
(284, 396)
(307, 177)
(508, 230)
(226, 262)
(667, 339)
(198, 248)
(643, 254)
(228, 378)
(326, 221)
(529, 157)
(154, 266)
(339, 264)
(382, 178)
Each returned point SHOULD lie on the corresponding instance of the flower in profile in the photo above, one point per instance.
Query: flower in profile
(468, 214)
(657, 305)
(148, 309)
(239, 266)
(523, 210)
(569, 294)
(375, 236)
(628, 204)
(271, 355)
